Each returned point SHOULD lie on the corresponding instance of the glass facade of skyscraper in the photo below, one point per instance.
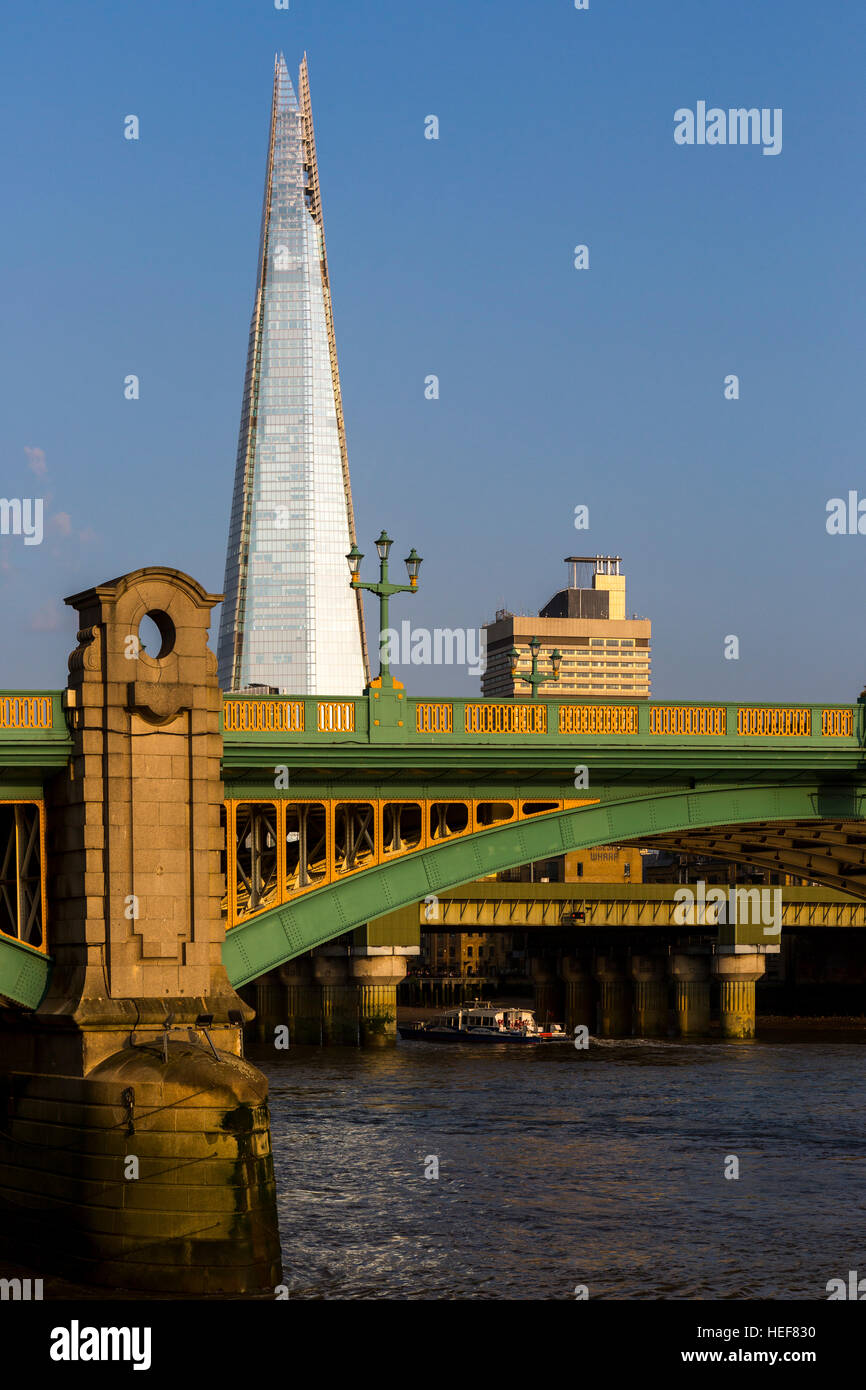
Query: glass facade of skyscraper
(290, 620)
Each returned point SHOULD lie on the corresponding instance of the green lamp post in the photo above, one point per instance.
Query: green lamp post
(535, 677)
(384, 589)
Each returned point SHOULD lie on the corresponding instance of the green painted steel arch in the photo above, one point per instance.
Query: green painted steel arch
(24, 973)
(276, 936)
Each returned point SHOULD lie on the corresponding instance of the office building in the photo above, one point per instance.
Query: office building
(604, 653)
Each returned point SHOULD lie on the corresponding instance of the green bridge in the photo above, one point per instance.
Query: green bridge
(340, 811)
(162, 844)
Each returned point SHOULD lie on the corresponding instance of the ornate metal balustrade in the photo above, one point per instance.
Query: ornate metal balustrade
(26, 712)
(775, 722)
(548, 721)
(837, 723)
(688, 719)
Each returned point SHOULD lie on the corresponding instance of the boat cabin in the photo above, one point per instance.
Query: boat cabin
(480, 1017)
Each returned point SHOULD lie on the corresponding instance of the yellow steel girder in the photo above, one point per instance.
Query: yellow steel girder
(23, 880)
(341, 836)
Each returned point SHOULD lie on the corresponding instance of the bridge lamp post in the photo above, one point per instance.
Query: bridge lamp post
(384, 589)
(535, 677)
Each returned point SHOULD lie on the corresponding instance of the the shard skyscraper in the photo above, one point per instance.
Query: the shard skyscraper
(290, 620)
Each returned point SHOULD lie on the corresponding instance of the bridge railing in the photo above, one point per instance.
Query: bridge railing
(467, 721)
(29, 712)
(282, 714)
(28, 715)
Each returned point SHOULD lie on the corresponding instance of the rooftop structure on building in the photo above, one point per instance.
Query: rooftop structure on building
(604, 653)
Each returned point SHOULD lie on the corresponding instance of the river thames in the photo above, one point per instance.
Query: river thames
(559, 1168)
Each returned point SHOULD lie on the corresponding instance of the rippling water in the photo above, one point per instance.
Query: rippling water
(560, 1167)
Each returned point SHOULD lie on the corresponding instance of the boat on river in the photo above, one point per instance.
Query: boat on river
(481, 1022)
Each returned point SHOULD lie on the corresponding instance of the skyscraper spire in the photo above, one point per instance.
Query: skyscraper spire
(290, 620)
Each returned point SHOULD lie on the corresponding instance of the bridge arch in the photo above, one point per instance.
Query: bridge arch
(697, 817)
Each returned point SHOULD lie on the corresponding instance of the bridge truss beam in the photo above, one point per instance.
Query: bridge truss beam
(275, 936)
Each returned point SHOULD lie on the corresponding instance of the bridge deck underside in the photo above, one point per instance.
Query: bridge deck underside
(830, 853)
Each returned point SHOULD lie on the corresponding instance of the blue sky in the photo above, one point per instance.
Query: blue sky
(455, 257)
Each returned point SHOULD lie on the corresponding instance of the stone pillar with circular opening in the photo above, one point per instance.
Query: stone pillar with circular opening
(139, 1036)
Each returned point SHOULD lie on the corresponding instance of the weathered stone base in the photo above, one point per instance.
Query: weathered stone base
(736, 975)
(579, 994)
(650, 996)
(73, 1040)
(614, 1004)
(376, 979)
(301, 1004)
(331, 998)
(200, 1217)
(690, 972)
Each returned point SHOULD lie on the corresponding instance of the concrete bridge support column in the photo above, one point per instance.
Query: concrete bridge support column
(339, 1000)
(691, 976)
(303, 1002)
(548, 998)
(614, 1007)
(579, 993)
(376, 978)
(737, 975)
(650, 1014)
(270, 1006)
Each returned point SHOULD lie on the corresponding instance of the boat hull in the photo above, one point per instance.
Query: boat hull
(448, 1035)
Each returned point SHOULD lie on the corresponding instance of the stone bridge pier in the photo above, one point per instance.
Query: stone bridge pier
(135, 1148)
(663, 993)
(337, 995)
